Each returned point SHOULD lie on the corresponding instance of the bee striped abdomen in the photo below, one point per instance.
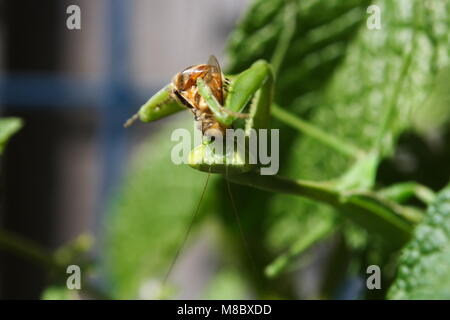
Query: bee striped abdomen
(185, 84)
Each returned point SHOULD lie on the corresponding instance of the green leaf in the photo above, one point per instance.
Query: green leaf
(8, 126)
(322, 31)
(365, 92)
(434, 113)
(423, 271)
(385, 75)
(388, 75)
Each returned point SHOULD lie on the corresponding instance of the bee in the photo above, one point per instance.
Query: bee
(185, 90)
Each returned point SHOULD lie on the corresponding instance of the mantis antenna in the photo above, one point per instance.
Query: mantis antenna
(241, 230)
(188, 231)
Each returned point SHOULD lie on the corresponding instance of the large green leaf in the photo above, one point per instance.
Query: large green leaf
(424, 271)
(382, 79)
(369, 81)
(393, 71)
(322, 31)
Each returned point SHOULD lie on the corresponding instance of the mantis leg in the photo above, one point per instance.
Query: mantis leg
(255, 82)
(219, 112)
(160, 105)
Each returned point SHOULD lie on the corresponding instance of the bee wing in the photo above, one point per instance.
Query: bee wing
(212, 61)
(217, 74)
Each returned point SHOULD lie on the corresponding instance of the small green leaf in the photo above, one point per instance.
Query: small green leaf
(8, 126)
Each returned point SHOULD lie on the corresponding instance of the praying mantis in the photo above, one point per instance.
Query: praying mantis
(200, 88)
(246, 101)
(203, 89)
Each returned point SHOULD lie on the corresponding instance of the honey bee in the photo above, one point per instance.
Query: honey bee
(186, 91)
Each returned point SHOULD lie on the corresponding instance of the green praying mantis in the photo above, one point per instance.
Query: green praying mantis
(202, 89)
(247, 103)
(199, 88)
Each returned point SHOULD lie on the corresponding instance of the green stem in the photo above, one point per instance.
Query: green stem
(369, 211)
(26, 249)
(337, 144)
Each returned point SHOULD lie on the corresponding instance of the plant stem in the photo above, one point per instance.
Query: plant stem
(337, 144)
(369, 211)
(26, 249)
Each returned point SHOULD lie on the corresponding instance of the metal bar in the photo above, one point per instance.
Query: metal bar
(32, 90)
(53, 90)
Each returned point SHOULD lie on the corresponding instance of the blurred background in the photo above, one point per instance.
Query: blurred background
(75, 182)
(74, 89)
